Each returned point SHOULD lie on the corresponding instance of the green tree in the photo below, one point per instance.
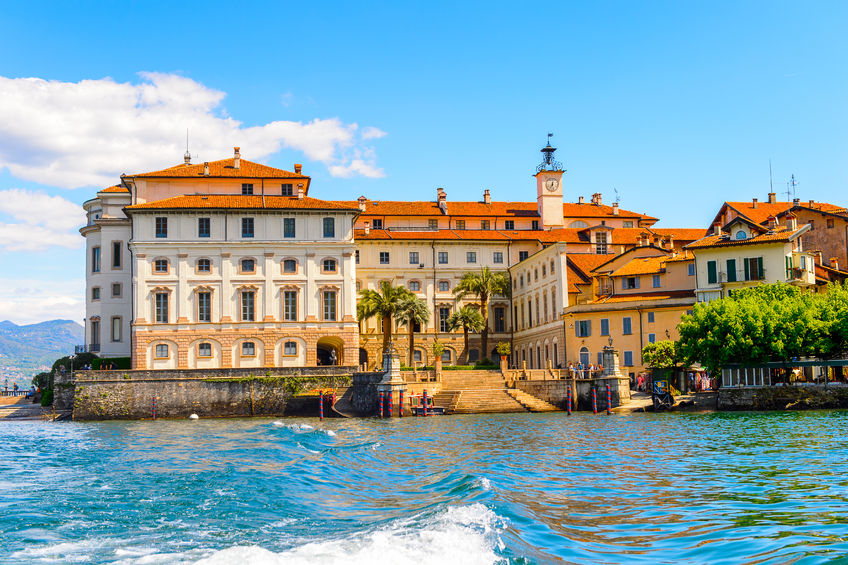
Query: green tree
(660, 355)
(469, 319)
(483, 285)
(412, 310)
(383, 304)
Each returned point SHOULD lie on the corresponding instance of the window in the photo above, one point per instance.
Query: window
(500, 318)
(536, 274)
(741, 234)
(712, 275)
(328, 265)
(433, 225)
(289, 266)
(652, 338)
(731, 270)
(204, 266)
(829, 223)
(330, 305)
(552, 266)
(288, 227)
(627, 224)
(446, 356)
(604, 326)
(583, 328)
(204, 349)
(414, 286)
(204, 306)
(535, 225)
(384, 257)
(246, 188)
(626, 325)
(484, 224)
(471, 257)
(95, 335)
(460, 224)
(416, 356)
(248, 349)
(161, 307)
(522, 255)
(248, 302)
(290, 305)
(247, 227)
(247, 266)
(413, 258)
(116, 254)
(329, 227)
(116, 328)
(754, 269)
(161, 227)
(160, 266)
(497, 257)
(161, 350)
(287, 189)
(544, 270)
(812, 225)
(473, 355)
(444, 286)
(628, 358)
(95, 259)
(444, 314)
(290, 348)
(204, 227)
(116, 290)
(656, 281)
(95, 293)
(356, 256)
(443, 257)
(509, 225)
(691, 269)
(601, 243)
(629, 282)
(377, 224)
(530, 313)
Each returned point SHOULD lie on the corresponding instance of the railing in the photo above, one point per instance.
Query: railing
(19, 392)
(723, 276)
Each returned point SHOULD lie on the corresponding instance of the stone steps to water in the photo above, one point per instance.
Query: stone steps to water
(530, 402)
(487, 400)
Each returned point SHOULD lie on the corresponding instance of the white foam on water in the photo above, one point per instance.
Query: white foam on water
(330, 433)
(295, 427)
(462, 535)
(484, 483)
(307, 449)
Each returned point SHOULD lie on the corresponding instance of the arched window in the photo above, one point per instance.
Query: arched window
(741, 235)
(578, 224)
(584, 355)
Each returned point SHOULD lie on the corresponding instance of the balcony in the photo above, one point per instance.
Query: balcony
(738, 276)
(90, 348)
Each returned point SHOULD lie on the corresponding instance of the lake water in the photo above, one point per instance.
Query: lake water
(518, 488)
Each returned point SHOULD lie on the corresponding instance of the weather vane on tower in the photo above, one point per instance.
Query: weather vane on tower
(548, 162)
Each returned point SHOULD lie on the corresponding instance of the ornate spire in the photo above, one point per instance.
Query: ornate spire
(548, 162)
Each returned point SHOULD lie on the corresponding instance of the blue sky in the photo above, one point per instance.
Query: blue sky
(678, 105)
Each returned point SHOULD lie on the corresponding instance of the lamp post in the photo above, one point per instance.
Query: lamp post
(72, 357)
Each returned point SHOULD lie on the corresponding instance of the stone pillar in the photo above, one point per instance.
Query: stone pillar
(392, 382)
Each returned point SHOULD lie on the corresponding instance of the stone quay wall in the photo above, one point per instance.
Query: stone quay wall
(798, 397)
(178, 393)
(555, 391)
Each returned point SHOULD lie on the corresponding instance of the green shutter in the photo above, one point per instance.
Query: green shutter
(712, 277)
(747, 269)
(731, 270)
(760, 275)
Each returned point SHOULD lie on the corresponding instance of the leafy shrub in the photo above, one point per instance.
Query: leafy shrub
(47, 397)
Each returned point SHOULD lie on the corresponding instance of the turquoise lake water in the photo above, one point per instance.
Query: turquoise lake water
(518, 488)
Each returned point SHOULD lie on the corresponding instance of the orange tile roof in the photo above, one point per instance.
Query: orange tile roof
(618, 298)
(239, 201)
(500, 209)
(223, 168)
(587, 262)
(680, 234)
(641, 266)
(574, 278)
(763, 210)
(116, 188)
(779, 234)
(474, 235)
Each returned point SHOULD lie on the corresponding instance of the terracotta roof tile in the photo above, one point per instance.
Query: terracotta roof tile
(618, 298)
(765, 209)
(472, 235)
(641, 266)
(116, 188)
(587, 262)
(506, 210)
(781, 233)
(239, 201)
(223, 168)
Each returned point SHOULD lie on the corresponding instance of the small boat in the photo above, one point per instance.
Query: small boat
(431, 411)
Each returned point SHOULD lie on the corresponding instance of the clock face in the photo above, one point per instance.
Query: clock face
(551, 184)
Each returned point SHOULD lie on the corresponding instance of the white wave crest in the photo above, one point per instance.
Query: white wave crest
(330, 433)
(295, 427)
(484, 483)
(462, 535)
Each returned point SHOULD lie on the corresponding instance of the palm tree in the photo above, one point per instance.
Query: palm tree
(484, 285)
(468, 318)
(383, 304)
(411, 311)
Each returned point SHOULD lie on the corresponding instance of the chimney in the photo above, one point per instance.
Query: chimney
(671, 242)
(819, 259)
(580, 200)
(643, 239)
(596, 199)
(834, 263)
(361, 201)
(716, 228)
(487, 198)
(297, 168)
(772, 198)
(791, 221)
(367, 227)
(812, 202)
(442, 200)
(236, 158)
(754, 204)
(300, 191)
(772, 222)
(796, 201)
(187, 157)
(615, 208)
(206, 169)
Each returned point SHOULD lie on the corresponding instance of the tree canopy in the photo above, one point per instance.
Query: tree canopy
(483, 285)
(769, 322)
(383, 304)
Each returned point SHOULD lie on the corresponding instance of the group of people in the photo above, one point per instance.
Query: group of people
(584, 371)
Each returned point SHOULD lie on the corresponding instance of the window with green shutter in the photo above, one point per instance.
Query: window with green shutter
(712, 275)
(731, 270)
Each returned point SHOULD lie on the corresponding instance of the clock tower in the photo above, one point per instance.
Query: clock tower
(549, 189)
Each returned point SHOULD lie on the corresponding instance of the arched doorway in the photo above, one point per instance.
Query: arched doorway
(329, 351)
(584, 356)
(363, 357)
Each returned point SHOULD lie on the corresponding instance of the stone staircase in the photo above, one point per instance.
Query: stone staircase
(478, 392)
(530, 402)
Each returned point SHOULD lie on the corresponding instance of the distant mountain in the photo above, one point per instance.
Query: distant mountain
(23, 349)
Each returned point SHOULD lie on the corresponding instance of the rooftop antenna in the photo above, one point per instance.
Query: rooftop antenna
(187, 156)
(771, 179)
(790, 188)
(617, 197)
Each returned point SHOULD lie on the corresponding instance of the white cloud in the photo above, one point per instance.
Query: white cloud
(87, 133)
(30, 301)
(39, 221)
